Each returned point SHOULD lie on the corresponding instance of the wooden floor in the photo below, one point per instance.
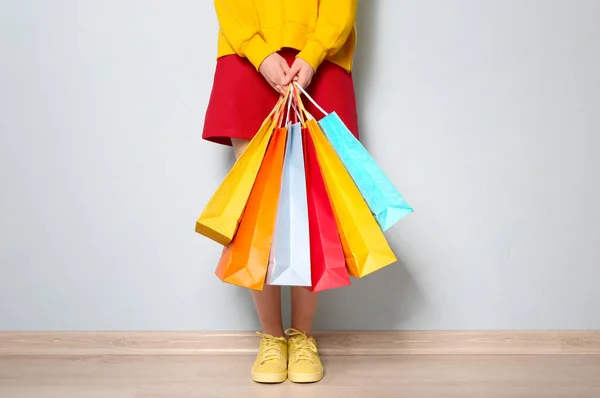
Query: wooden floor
(410, 376)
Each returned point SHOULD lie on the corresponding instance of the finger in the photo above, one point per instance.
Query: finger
(287, 78)
(286, 89)
(285, 72)
(302, 80)
(284, 66)
(293, 72)
(307, 82)
(281, 89)
(306, 77)
(275, 86)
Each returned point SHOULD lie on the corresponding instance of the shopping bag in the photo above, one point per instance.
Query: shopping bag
(244, 261)
(328, 263)
(289, 263)
(383, 198)
(221, 216)
(365, 247)
(385, 201)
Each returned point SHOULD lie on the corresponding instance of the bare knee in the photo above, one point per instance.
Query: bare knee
(239, 146)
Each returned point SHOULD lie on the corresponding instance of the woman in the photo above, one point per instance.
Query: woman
(263, 46)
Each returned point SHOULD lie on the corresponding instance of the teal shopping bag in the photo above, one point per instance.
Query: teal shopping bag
(383, 198)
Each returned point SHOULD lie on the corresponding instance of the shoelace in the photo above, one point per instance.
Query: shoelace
(304, 348)
(271, 347)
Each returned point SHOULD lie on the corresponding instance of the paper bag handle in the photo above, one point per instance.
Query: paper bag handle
(310, 99)
(289, 104)
(278, 110)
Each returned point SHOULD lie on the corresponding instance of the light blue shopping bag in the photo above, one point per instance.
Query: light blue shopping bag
(385, 201)
(289, 263)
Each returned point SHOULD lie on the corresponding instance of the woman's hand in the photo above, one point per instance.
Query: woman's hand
(301, 72)
(275, 70)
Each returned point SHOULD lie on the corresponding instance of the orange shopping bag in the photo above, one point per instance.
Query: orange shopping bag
(365, 247)
(221, 216)
(244, 262)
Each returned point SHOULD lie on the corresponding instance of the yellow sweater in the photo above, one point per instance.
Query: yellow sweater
(319, 29)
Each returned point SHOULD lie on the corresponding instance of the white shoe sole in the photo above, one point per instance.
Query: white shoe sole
(269, 378)
(305, 378)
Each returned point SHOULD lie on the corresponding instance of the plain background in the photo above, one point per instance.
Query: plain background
(485, 113)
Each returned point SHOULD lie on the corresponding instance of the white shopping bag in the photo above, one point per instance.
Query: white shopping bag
(289, 263)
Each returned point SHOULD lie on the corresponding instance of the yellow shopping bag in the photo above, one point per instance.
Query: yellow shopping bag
(221, 216)
(364, 244)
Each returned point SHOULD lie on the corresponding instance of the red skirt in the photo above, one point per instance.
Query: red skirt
(241, 98)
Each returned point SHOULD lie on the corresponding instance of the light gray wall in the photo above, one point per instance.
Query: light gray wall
(485, 113)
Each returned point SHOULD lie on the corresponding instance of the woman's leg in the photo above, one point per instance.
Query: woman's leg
(268, 301)
(304, 365)
(268, 308)
(239, 146)
(304, 307)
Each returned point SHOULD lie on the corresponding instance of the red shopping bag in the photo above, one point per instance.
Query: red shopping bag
(328, 263)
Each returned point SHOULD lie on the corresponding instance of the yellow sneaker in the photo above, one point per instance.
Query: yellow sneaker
(304, 363)
(271, 362)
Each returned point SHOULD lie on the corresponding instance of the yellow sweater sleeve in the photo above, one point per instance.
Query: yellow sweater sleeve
(240, 25)
(334, 24)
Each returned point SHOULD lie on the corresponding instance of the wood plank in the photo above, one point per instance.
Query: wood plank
(427, 376)
(330, 343)
(66, 392)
